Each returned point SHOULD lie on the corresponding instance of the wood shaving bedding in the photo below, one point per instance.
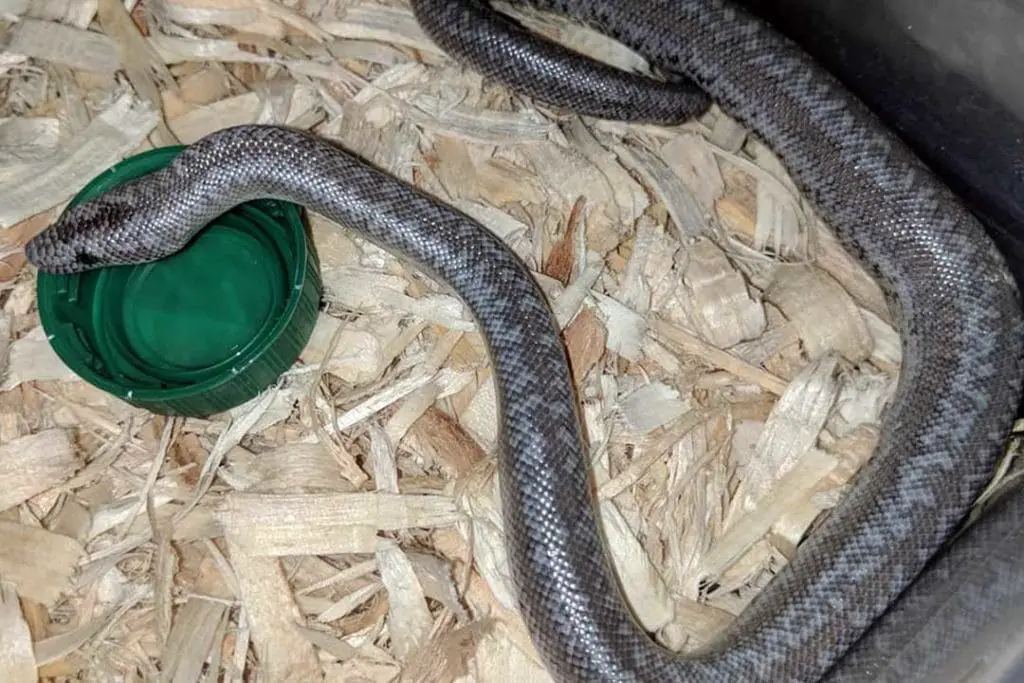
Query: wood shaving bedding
(731, 361)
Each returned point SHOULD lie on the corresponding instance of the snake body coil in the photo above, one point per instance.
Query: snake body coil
(956, 304)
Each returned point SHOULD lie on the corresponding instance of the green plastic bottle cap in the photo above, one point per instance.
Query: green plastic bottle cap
(199, 332)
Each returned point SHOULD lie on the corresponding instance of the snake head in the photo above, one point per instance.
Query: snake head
(52, 255)
(119, 227)
(81, 239)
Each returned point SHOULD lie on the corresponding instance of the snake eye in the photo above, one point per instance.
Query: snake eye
(86, 259)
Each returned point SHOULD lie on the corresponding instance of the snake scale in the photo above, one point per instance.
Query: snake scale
(955, 304)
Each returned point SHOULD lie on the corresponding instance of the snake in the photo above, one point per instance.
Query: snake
(951, 295)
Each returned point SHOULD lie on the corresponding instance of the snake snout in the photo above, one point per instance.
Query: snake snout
(52, 255)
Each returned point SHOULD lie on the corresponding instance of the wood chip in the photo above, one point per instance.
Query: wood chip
(718, 303)
(192, 640)
(407, 607)
(791, 490)
(54, 42)
(39, 563)
(324, 524)
(823, 313)
(33, 359)
(34, 464)
(17, 661)
(284, 654)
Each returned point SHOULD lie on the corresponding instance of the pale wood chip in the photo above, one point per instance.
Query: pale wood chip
(569, 176)
(40, 563)
(626, 327)
(443, 113)
(395, 392)
(580, 38)
(791, 489)
(688, 216)
(32, 358)
(247, 108)
(834, 260)
(55, 42)
(139, 61)
(382, 459)
(644, 589)
(163, 583)
(29, 140)
(350, 602)
(571, 299)
(861, 399)
(327, 523)
(697, 622)
(253, 16)
(286, 468)
(652, 447)
(790, 432)
(17, 661)
(484, 531)
(438, 579)
(374, 21)
(480, 415)
(358, 356)
(690, 157)
(688, 343)
(439, 437)
(72, 12)
(192, 640)
(727, 133)
(887, 348)
(780, 227)
(651, 406)
(35, 463)
(496, 658)
(409, 617)
(852, 451)
(246, 417)
(510, 625)
(629, 198)
(284, 653)
(823, 313)
(718, 303)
